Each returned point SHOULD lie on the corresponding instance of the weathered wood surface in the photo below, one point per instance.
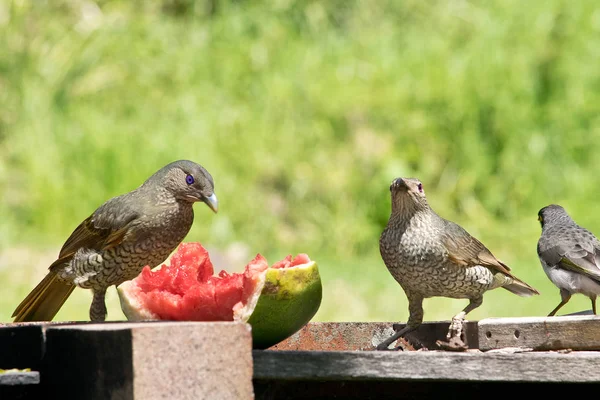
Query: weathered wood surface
(572, 332)
(344, 336)
(426, 365)
(580, 332)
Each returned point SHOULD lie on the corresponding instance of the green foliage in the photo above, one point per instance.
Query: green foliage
(304, 111)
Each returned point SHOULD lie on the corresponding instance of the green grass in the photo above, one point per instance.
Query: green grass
(303, 112)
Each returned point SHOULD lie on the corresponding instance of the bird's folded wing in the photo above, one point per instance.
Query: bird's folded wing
(574, 258)
(95, 233)
(464, 249)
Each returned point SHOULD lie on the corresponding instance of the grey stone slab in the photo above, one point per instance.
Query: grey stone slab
(19, 378)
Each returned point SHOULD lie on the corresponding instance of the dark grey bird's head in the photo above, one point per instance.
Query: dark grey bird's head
(186, 181)
(408, 196)
(552, 215)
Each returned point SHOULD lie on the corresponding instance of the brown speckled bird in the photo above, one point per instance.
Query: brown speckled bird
(122, 236)
(431, 256)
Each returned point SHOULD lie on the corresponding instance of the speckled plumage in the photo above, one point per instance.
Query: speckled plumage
(569, 254)
(122, 236)
(430, 256)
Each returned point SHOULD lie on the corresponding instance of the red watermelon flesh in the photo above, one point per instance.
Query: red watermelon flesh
(187, 290)
(288, 262)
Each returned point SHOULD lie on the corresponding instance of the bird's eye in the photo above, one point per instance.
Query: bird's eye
(420, 186)
(189, 179)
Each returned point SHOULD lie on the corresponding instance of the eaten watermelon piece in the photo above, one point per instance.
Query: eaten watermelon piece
(276, 301)
(187, 290)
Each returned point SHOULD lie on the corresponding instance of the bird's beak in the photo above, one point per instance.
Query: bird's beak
(212, 202)
(398, 182)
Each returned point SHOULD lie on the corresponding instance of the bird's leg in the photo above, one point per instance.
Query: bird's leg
(593, 299)
(384, 345)
(458, 320)
(565, 297)
(98, 307)
(415, 319)
(455, 331)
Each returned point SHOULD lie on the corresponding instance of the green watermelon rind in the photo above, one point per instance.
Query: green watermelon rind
(289, 299)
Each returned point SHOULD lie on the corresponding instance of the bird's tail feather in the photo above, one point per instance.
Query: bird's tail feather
(520, 288)
(45, 300)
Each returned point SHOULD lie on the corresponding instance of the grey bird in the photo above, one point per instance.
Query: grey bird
(570, 255)
(122, 236)
(430, 256)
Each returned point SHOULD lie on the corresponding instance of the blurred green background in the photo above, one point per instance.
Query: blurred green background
(303, 111)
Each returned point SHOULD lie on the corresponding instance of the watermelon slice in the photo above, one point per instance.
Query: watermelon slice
(276, 301)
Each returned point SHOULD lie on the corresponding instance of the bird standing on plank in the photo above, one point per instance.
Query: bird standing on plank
(570, 255)
(431, 256)
(122, 236)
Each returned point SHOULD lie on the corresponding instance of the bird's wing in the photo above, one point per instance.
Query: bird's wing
(463, 249)
(574, 258)
(104, 229)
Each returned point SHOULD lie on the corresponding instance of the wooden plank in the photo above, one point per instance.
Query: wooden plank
(343, 336)
(426, 365)
(580, 332)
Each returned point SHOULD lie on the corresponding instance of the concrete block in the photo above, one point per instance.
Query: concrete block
(149, 360)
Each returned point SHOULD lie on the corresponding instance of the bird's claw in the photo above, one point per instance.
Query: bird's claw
(456, 329)
(455, 338)
(453, 344)
(385, 348)
(402, 344)
(385, 345)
